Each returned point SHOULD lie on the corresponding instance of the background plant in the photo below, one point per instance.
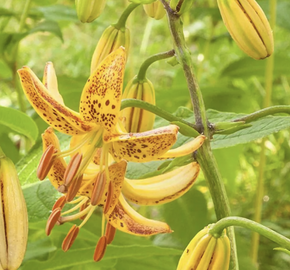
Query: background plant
(230, 82)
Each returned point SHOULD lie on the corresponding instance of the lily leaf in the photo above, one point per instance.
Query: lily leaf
(19, 122)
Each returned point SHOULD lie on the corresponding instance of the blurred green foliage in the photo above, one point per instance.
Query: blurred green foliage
(230, 82)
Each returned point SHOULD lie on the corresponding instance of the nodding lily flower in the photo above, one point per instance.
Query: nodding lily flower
(99, 150)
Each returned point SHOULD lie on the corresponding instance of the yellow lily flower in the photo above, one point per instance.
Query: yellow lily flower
(100, 148)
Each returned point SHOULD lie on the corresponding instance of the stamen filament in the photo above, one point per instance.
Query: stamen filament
(77, 200)
(75, 149)
(103, 224)
(92, 209)
(75, 216)
(85, 199)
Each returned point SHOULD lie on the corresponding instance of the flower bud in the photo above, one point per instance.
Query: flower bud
(155, 10)
(139, 120)
(89, 10)
(111, 40)
(13, 217)
(205, 251)
(248, 26)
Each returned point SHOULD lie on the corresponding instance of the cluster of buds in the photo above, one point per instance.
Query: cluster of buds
(13, 217)
(206, 252)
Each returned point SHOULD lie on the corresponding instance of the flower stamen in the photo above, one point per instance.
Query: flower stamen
(70, 238)
(53, 218)
(99, 188)
(110, 233)
(60, 202)
(100, 248)
(46, 162)
(74, 188)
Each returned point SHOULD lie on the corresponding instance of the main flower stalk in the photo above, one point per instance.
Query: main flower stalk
(205, 156)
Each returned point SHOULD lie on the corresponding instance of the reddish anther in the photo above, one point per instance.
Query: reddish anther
(70, 238)
(74, 188)
(110, 233)
(99, 189)
(72, 168)
(45, 163)
(109, 199)
(100, 248)
(60, 202)
(53, 218)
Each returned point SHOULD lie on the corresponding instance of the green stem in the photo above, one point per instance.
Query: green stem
(121, 24)
(156, 110)
(218, 227)
(264, 112)
(145, 65)
(24, 15)
(262, 162)
(204, 156)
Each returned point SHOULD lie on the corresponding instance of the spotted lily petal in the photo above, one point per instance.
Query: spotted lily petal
(58, 168)
(162, 188)
(50, 110)
(126, 219)
(101, 97)
(185, 149)
(142, 147)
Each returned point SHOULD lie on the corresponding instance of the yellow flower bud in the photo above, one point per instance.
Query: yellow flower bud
(13, 217)
(111, 40)
(248, 26)
(138, 120)
(155, 10)
(89, 10)
(206, 252)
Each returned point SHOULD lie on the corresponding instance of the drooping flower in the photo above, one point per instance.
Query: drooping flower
(100, 148)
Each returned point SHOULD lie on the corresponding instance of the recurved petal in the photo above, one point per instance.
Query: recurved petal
(162, 188)
(56, 172)
(50, 110)
(185, 149)
(50, 82)
(142, 147)
(101, 97)
(126, 219)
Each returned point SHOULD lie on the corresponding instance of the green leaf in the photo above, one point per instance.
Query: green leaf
(8, 146)
(80, 256)
(19, 122)
(6, 12)
(48, 26)
(247, 67)
(259, 129)
(39, 198)
(58, 13)
(8, 40)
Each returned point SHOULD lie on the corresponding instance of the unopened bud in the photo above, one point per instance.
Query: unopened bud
(205, 251)
(248, 26)
(13, 217)
(89, 10)
(139, 120)
(111, 40)
(155, 10)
